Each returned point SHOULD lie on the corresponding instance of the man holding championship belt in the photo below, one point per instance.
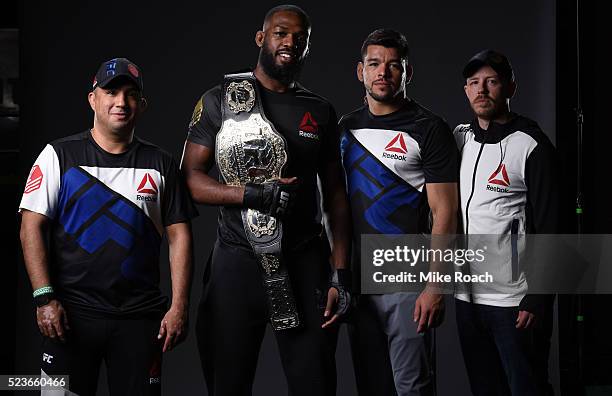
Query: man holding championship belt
(270, 138)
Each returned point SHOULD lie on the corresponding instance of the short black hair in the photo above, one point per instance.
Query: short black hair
(289, 8)
(388, 38)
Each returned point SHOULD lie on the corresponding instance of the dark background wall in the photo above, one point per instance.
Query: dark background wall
(9, 184)
(185, 47)
(585, 355)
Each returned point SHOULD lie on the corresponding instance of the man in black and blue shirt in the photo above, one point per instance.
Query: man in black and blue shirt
(107, 198)
(401, 172)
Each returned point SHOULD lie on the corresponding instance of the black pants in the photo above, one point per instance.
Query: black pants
(233, 316)
(501, 359)
(129, 348)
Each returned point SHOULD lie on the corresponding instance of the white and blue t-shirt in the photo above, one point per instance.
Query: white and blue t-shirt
(108, 213)
(388, 161)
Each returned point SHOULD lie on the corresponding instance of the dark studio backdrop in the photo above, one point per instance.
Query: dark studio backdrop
(184, 48)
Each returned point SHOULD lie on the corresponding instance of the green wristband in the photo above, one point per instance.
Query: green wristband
(42, 290)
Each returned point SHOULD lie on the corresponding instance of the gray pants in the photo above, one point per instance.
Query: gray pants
(390, 358)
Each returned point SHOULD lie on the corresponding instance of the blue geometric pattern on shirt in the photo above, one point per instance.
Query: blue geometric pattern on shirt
(140, 240)
(352, 155)
(377, 215)
(385, 191)
(86, 207)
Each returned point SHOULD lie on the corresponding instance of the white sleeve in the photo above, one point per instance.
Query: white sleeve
(41, 193)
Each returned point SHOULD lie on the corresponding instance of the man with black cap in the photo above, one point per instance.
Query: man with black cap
(507, 187)
(107, 197)
(271, 139)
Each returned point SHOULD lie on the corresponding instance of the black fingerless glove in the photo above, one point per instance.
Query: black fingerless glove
(272, 198)
(341, 280)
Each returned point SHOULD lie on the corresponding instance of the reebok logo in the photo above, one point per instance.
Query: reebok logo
(309, 127)
(396, 145)
(500, 178)
(34, 181)
(147, 186)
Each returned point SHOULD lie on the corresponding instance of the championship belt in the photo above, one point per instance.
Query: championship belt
(250, 150)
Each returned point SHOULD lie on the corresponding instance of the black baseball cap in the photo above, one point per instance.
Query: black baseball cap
(118, 67)
(497, 61)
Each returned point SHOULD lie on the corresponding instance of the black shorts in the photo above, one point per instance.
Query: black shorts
(233, 315)
(129, 347)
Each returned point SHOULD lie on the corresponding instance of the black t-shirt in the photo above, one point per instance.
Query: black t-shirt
(108, 214)
(308, 123)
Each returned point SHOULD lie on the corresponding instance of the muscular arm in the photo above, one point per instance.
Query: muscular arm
(336, 208)
(442, 198)
(51, 318)
(195, 164)
(35, 253)
(174, 325)
(180, 252)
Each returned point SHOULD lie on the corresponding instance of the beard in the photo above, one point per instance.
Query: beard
(486, 114)
(387, 97)
(285, 74)
(490, 112)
